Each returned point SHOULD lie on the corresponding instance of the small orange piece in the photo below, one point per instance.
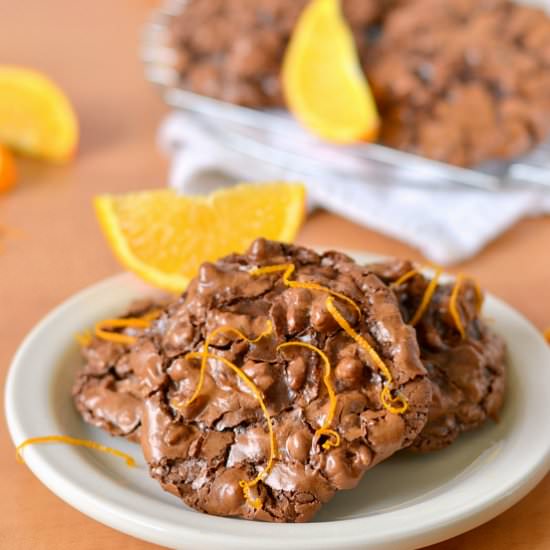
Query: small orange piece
(164, 237)
(323, 82)
(8, 173)
(36, 117)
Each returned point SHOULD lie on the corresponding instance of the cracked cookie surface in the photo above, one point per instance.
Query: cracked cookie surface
(468, 373)
(203, 452)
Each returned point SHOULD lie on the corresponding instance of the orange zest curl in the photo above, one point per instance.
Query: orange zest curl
(101, 328)
(130, 462)
(289, 270)
(453, 306)
(479, 296)
(256, 503)
(404, 278)
(388, 401)
(220, 330)
(426, 299)
(152, 315)
(333, 436)
(84, 338)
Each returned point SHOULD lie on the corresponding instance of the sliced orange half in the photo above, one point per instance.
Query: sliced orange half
(36, 118)
(163, 237)
(323, 82)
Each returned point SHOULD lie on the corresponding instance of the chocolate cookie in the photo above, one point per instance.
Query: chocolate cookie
(110, 387)
(468, 374)
(233, 49)
(462, 81)
(459, 81)
(270, 389)
(464, 358)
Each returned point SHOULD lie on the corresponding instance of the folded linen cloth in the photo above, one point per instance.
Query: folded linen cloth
(446, 224)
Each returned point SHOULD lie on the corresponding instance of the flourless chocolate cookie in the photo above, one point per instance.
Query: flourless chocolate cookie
(462, 81)
(332, 370)
(319, 388)
(468, 374)
(467, 370)
(110, 387)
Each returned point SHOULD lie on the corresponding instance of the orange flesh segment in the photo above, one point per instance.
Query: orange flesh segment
(324, 85)
(36, 117)
(163, 237)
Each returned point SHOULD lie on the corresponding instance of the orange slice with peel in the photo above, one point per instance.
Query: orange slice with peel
(36, 118)
(163, 237)
(323, 82)
(8, 173)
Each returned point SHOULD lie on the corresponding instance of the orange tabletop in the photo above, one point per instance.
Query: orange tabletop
(55, 247)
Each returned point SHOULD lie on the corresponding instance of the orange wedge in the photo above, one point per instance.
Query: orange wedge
(8, 173)
(163, 237)
(36, 118)
(323, 83)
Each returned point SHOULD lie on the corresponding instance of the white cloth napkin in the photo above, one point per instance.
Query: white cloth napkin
(448, 225)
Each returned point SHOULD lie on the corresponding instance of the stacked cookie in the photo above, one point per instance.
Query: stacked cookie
(461, 81)
(281, 376)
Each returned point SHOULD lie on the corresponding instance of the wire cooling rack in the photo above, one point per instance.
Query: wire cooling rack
(272, 137)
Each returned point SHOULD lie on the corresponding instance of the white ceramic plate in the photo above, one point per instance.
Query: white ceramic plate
(406, 502)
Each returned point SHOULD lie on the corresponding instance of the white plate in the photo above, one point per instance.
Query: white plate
(406, 502)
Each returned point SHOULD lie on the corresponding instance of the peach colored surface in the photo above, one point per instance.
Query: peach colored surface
(90, 49)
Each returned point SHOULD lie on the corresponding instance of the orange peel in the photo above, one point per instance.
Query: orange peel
(8, 171)
(220, 330)
(387, 399)
(289, 270)
(426, 298)
(102, 332)
(84, 338)
(453, 306)
(246, 486)
(404, 278)
(67, 440)
(333, 436)
(101, 328)
(385, 395)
